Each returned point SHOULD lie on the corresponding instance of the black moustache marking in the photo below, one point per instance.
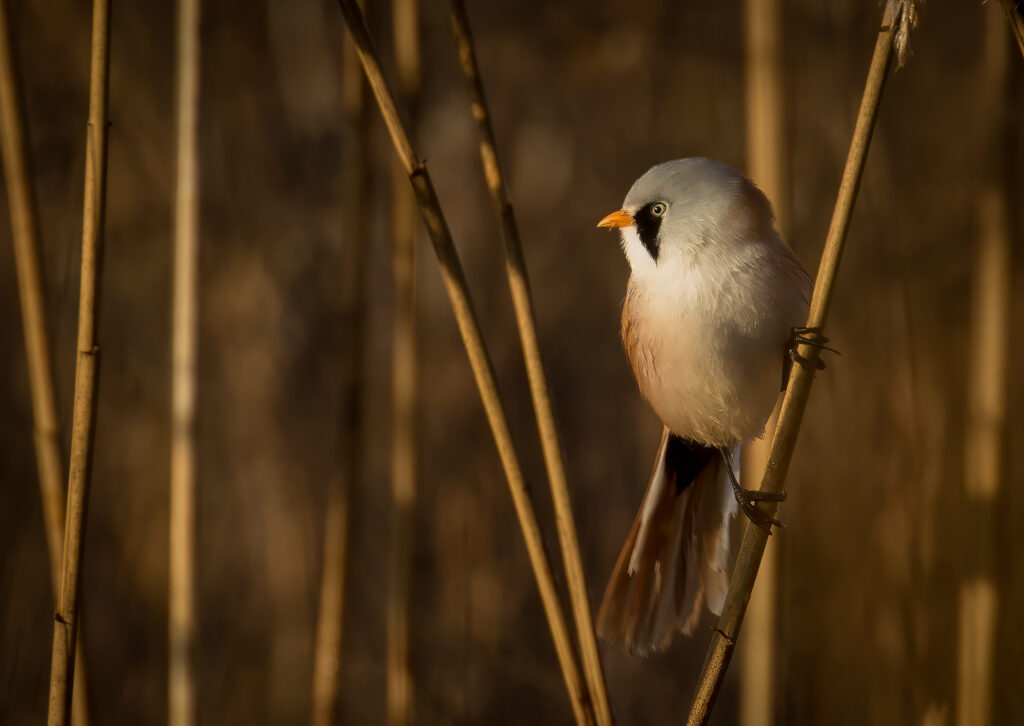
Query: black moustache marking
(647, 226)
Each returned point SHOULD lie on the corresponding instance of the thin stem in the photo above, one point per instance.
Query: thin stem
(483, 370)
(762, 26)
(342, 489)
(798, 389)
(987, 386)
(65, 629)
(522, 302)
(38, 350)
(404, 383)
(181, 696)
(1014, 11)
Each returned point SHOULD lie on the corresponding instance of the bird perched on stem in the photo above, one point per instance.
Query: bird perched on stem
(708, 326)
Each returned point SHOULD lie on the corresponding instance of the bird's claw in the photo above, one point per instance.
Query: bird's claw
(748, 498)
(812, 337)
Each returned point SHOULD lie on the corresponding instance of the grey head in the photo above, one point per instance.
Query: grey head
(692, 201)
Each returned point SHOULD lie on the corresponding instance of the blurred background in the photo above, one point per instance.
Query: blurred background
(586, 96)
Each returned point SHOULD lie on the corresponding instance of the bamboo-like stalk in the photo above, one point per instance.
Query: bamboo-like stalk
(181, 679)
(522, 302)
(65, 627)
(762, 27)
(330, 623)
(798, 389)
(483, 371)
(1014, 11)
(404, 383)
(38, 349)
(984, 451)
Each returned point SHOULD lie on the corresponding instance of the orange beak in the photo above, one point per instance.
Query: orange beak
(621, 218)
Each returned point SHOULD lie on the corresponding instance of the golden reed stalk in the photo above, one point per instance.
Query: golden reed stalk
(762, 26)
(483, 371)
(522, 302)
(987, 387)
(181, 677)
(38, 349)
(65, 627)
(404, 384)
(896, 17)
(342, 489)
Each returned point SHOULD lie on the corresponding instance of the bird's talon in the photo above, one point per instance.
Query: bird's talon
(746, 498)
(816, 363)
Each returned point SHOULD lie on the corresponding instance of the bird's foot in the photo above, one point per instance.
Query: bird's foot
(748, 498)
(808, 336)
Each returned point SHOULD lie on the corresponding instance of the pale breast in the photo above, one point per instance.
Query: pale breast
(707, 359)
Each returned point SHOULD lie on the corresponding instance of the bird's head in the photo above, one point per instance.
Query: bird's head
(681, 209)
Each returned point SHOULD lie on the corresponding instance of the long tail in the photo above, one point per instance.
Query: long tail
(677, 555)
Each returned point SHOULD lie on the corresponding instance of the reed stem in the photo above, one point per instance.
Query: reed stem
(765, 101)
(483, 370)
(65, 629)
(181, 693)
(723, 640)
(988, 388)
(38, 349)
(522, 302)
(342, 489)
(404, 384)
(1014, 11)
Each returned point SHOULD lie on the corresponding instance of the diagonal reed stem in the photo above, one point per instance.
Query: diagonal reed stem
(483, 370)
(519, 285)
(1014, 11)
(798, 389)
(343, 489)
(38, 349)
(181, 612)
(65, 627)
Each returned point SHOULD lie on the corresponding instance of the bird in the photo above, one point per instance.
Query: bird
(714, 302)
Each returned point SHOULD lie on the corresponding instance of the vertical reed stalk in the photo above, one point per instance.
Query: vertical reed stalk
(330, 623)
(181, 686)
(38, 350)
(65, 628)
(798, 389)
(1014, 11)
(765, 102)
(987, 383)
(483, 371)
(519, 285)
(400, 694)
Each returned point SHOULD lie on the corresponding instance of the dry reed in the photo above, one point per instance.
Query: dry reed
(987, 385)
(340, 492)
(798, 388)
(765, 101)
(522, 301)
(181, 678)
(38, 349)
(404, 382)
(65, 629)
(483, 370)
(1014, 11)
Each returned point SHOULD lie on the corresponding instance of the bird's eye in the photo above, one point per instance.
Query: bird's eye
(658, 209)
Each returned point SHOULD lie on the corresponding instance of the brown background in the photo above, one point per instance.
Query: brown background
(586, 96)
